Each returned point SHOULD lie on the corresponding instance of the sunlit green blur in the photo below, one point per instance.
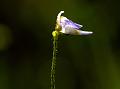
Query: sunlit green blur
(83, 62)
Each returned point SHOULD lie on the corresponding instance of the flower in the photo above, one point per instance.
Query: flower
(67, 26)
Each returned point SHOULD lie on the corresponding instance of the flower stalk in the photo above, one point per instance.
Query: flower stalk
(53, 66)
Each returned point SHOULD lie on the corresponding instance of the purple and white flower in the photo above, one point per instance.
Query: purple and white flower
(67, 26)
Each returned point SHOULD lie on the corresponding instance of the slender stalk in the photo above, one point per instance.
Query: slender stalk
(53, 66)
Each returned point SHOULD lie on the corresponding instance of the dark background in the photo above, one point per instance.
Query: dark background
(83, 62)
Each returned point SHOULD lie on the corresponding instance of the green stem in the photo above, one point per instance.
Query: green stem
(53, 66)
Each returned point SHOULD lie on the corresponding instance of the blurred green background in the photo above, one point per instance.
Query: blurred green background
(83, 62)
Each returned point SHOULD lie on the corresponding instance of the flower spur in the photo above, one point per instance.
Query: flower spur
(66, 26)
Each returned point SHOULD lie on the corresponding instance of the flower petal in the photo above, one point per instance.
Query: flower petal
(67, 26)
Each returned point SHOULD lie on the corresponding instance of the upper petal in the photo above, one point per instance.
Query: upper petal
(73, 25)
(64, 21)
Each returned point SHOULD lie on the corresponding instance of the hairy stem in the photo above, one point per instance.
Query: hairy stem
(53, 66)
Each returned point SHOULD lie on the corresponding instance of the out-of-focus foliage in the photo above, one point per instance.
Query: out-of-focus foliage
(83, 62)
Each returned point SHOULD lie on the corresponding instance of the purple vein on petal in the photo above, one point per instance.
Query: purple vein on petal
(72, 24)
